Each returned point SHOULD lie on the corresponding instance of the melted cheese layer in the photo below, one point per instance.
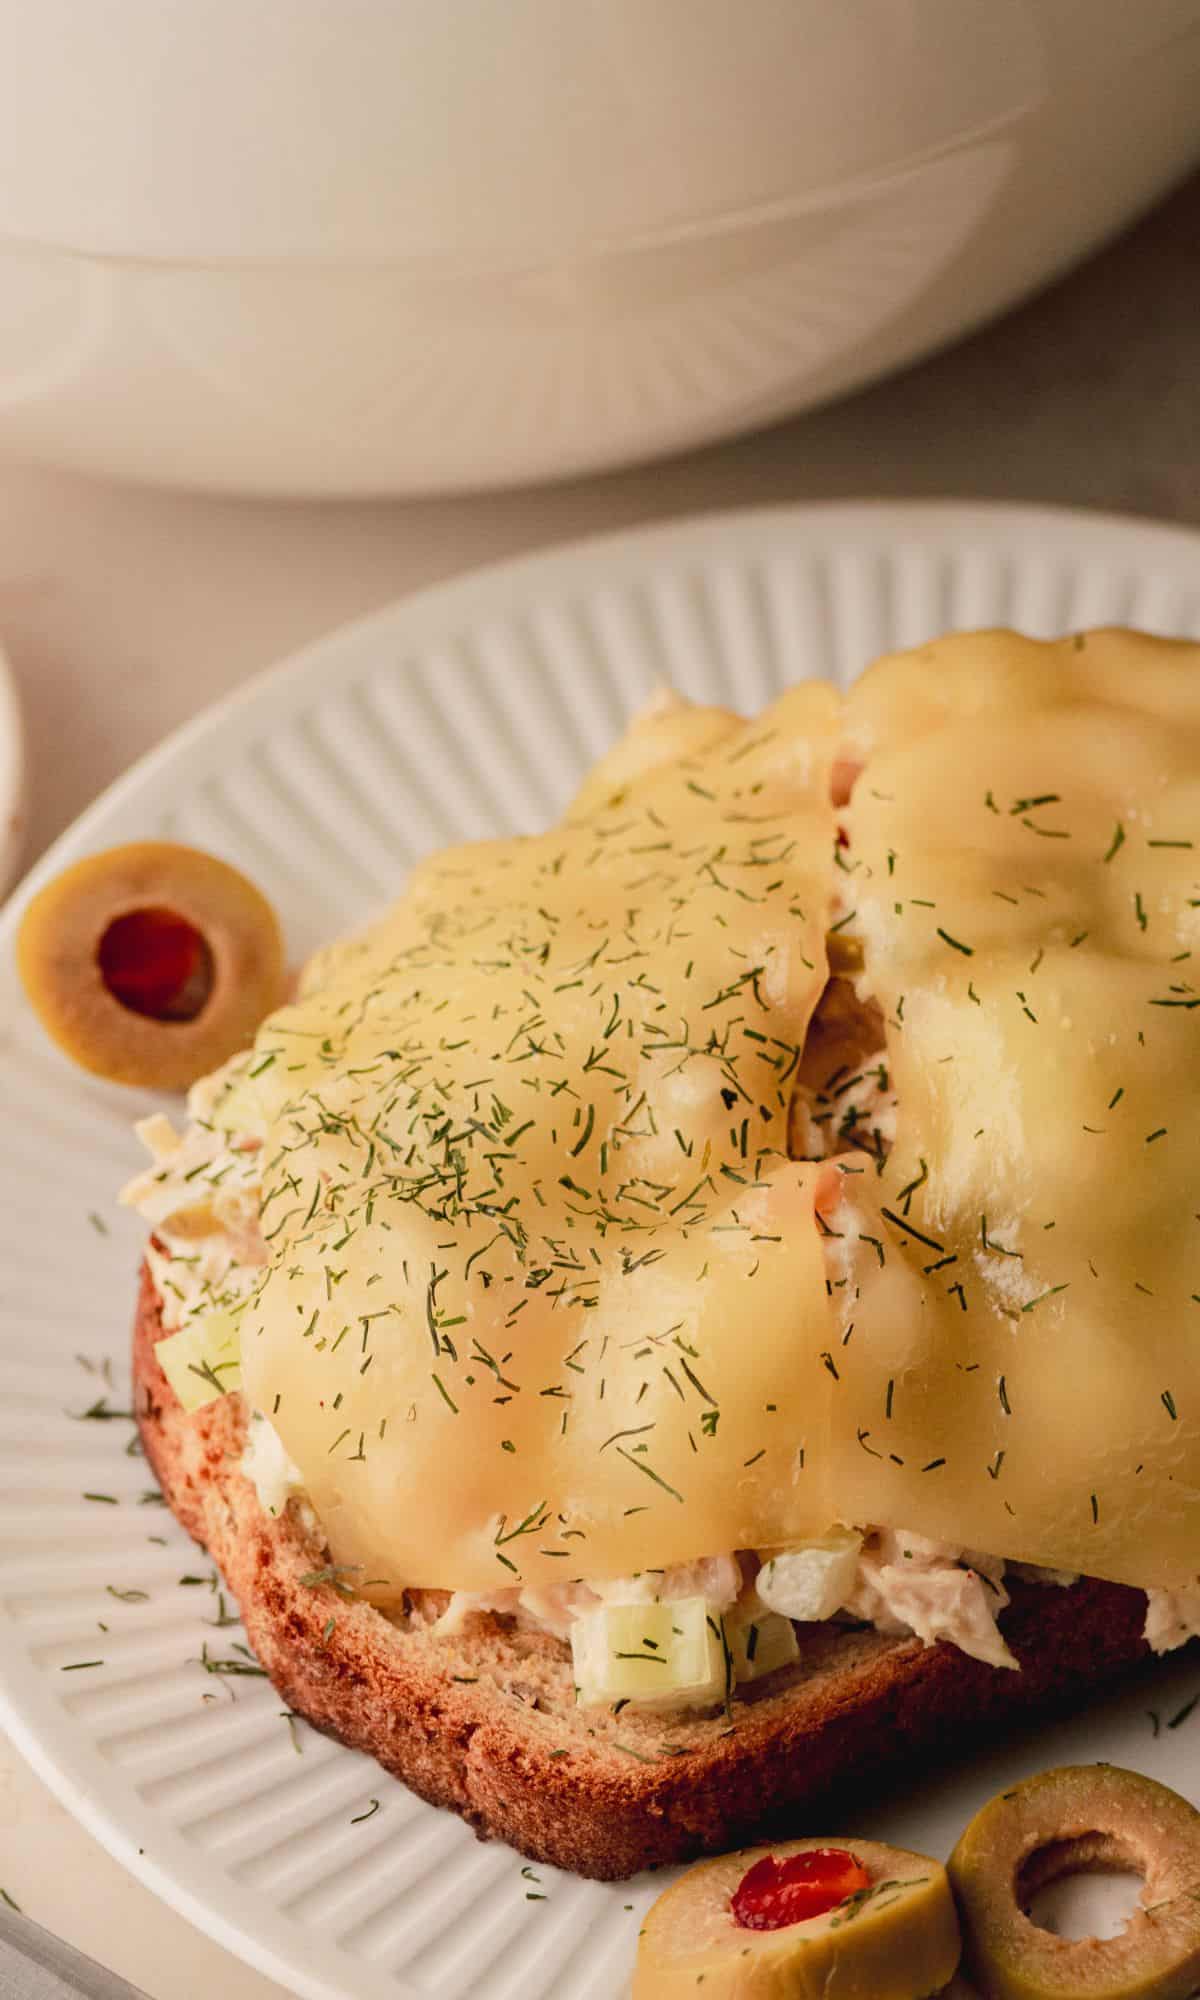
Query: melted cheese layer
(546, 1293)
(546, 1297)
(1026, 838)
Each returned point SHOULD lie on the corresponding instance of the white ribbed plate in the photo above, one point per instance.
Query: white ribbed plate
(467, 711)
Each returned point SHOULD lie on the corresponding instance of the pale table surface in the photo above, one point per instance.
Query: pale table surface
(126, 612)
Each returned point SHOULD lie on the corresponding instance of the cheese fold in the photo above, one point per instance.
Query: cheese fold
(1025, 1365)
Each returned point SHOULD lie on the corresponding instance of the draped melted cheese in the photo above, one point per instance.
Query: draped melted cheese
(547, 1299)
(546, 1295)
(1024, 1370)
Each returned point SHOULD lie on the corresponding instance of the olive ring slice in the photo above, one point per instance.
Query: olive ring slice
(1067, 1821)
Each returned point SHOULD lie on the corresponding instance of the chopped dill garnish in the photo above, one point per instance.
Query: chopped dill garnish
(1047, 1294)
(956, 944)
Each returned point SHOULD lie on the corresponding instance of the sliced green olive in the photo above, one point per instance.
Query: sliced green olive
(1064, 1822)
(151, 963)
(894, 1939)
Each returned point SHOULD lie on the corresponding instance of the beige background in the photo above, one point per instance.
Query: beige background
(124, 613)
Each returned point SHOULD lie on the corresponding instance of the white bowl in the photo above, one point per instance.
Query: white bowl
(353, 246)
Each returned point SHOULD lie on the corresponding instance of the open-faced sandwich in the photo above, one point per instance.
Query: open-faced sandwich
(700, 1304)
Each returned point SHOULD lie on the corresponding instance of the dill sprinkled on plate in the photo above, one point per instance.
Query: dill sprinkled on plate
(99, 1413)
(244, 1667)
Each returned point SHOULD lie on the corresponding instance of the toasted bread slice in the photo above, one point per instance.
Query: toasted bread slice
(487, 1723)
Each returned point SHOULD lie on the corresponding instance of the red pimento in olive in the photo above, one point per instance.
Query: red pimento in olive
(156, 963)
(151, 963)
(774, 1893)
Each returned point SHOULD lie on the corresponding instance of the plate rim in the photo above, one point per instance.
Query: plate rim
(958, 523)
(990, 519)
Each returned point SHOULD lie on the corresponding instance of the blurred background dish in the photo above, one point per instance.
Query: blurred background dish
(388, 246)
(12, 777)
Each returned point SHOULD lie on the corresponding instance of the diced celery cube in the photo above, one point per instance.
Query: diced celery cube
(758, 1642)
(203, 1360)
(666, 1655)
